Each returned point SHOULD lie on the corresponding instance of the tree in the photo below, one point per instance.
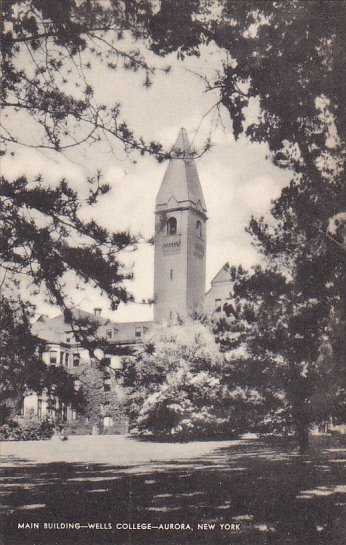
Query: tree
(248, 369)
(174, 382)
(310, 312)
(47, 49)
(286, 342)
(285, 56)
(44, 242)
(178, 387)
(97, 402)
(59, 42)
(284, 60)
(22, 369)
(43, 238)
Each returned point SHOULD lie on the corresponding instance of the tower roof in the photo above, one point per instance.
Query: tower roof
(181, 181)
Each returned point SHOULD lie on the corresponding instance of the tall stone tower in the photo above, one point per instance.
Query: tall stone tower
(180, 238)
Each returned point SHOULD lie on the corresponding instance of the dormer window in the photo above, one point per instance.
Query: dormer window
(199, 228)
(172, 226)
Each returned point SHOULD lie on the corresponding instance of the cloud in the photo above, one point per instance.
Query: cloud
(237, 178)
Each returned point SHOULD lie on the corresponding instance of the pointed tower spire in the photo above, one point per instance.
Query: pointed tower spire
(180, 238)
(181, 181)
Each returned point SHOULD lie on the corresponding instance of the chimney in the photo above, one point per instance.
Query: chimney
(97, 311)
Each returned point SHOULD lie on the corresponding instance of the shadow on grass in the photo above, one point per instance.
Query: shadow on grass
(275, 496)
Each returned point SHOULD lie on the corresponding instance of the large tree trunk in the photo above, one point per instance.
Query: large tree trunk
(302, 431)
(300, 412)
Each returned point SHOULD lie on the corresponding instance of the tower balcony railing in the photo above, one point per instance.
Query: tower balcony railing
(178, 235)
(171, 243)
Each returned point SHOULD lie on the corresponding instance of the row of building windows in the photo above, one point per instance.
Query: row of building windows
(75, 358)
(53, 407)
(110, 334)
(64, 358)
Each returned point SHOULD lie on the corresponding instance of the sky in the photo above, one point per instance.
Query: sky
(237, 178)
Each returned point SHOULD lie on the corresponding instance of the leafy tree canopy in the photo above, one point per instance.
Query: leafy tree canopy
(285, 63)
(180, 387)
(44, 239)
(285, 339)
(286, 55)
(286, 69)
(48, 49)
(45, 248)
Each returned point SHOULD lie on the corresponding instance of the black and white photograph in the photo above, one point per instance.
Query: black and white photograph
(172, 272)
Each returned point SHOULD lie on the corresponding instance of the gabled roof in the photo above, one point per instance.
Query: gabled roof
(222, 276)
(181, 181)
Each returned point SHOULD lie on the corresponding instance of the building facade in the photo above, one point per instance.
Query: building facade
(179, 288)
(220, 292)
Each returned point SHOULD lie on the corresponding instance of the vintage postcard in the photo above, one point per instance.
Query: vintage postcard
(172, 272)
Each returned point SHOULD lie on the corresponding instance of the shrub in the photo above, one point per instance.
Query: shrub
(26, 429)
(175, 389)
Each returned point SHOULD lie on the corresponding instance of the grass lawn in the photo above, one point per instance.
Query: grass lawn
(275, 496)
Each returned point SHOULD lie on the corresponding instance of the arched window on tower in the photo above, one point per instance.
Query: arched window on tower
(172, 226)
(199, 228)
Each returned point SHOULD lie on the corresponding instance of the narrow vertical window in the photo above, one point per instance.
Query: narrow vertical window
(171, 274)
(172, 226)
(106, 381)
(39, 408)
(76, 359)
(53, 357)
(199, 228)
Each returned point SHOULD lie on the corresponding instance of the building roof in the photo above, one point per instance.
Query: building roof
(53, 330)
(224, 275)
(181, 184)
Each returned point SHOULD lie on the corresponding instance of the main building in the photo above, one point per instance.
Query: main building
(179, 276)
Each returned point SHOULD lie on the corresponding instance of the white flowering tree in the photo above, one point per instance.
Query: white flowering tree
(179, 388)
(175, 384)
